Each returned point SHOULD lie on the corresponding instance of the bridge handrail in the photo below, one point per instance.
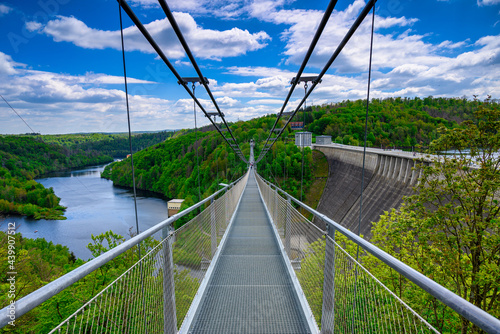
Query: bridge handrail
(479, 317)
(37, 297)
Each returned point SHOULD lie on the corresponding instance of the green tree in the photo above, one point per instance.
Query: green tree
(450, 229)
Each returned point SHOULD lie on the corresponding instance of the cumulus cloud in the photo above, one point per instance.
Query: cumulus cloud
(259, 71)
(205, 43)
(7, 65)
(226, 101)
(420, 72)
(226, 9)
(56, 103)
(487, 2)
(405, 63)
(4, 9)
(266, 101)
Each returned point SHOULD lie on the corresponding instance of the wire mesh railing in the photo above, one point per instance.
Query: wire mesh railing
(342, 294)
(153, 294)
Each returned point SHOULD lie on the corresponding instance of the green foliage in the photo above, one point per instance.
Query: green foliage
(450, 229)
(170, 168)
(24, 158)
(185, 290)
(29, 198)
(398, 122)
(283, 165)
(39, 262)
(311, 276)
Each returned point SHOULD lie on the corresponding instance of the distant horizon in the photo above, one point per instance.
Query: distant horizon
(86, 133)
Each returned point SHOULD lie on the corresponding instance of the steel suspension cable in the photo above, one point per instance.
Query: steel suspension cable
(364, 159)
(184, 44)
(132, 163)
(162, 55)
(340, 47)
(317, 35)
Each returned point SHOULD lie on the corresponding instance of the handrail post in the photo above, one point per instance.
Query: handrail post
(226, 213)
(288, 225)
(213, 227)
(169, 314)
(276, 207)
(328, 308)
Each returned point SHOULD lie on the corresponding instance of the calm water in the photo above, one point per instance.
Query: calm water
(94, 206)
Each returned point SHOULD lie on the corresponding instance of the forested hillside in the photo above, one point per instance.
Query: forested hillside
(391, 122)
(170, 168)
(115, 145)
(24, 158)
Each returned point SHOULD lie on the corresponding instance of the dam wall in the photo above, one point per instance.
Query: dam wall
(388, 177)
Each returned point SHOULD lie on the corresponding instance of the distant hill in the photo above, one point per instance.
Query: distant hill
(115, 145)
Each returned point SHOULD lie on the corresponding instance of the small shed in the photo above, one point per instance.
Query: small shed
(303, 139)
(174, 205)
(323, 140)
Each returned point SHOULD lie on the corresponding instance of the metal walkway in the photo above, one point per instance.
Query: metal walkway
(250, 290)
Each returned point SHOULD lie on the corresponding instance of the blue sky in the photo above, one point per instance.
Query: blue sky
(61, 66)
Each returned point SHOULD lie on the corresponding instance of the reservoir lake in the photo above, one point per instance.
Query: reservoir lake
(94, 206)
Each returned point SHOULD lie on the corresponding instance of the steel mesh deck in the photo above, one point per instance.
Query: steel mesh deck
(250, 290)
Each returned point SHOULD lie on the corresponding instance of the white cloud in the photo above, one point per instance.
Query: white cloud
(450, 45)
(33, 26)
(205, 43)
(259, 71)
(226, 9)
(49, 88)
(226, 101)
(7, 65)
(416, 70)
(409, 69)
(487, 2)
(387, 22)
(58, 103)
(266, 101)
(404, 62)
(4, 9)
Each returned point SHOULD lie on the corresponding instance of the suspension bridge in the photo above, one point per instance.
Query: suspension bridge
(257, 264)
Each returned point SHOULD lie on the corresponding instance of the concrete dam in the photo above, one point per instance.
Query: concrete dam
(389, 176)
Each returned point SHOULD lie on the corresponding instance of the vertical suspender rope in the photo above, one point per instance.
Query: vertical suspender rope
(363, 168)
(303, 141)
(366, 127)
(196, 144)
(132, 162)
(284, 164)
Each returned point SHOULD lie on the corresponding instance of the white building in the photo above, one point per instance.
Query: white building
(303, 139)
